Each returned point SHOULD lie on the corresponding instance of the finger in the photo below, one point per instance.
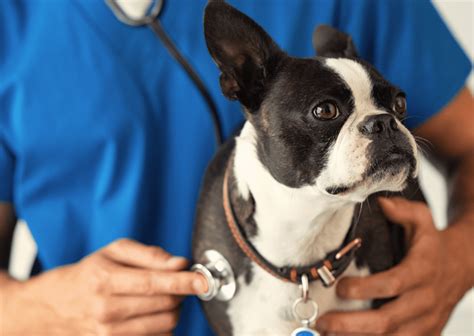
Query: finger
(117, 308)
(409, 214)
(428, 324)
(368, 321)
(130, 281)
(383, 285)
(384, 320)
(132, 253)
(160, 323)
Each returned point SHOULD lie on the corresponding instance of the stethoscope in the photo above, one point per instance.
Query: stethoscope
(150, 18)
(215, 268)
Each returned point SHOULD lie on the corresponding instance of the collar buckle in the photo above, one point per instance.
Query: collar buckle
(326, 276)
(325, 272)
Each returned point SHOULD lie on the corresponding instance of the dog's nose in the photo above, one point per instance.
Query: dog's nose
(378, 124)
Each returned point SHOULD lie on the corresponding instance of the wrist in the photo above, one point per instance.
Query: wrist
(460, 250)
(24, 297)
(8, 288)
(6, 280)
(11, 304)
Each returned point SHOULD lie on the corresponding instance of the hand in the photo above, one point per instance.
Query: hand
(124, 289)
(427, 283)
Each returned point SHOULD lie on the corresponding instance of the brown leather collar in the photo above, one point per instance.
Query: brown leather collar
(327, 270)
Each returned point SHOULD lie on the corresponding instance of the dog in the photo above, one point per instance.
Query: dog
(297, 186)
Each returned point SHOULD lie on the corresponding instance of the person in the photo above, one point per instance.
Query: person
(104, 141)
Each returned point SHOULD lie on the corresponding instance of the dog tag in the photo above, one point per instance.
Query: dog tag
(303, 331)
(305, 321)
(310, 313)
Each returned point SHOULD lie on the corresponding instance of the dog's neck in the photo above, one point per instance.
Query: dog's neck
(295, 226)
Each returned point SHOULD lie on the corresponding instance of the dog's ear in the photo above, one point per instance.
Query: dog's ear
(243, 51)
(330, 42)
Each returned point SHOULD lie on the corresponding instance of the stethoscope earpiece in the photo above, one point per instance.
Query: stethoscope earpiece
(130, 14)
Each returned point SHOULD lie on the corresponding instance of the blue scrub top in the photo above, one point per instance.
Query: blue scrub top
(102, 134)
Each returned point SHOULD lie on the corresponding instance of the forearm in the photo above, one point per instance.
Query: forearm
(5, 283)
(461, 177)
(6, 314)
(461, 185)
(461, 211)
(451, 133)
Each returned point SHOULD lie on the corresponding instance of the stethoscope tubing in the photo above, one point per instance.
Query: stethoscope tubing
(153, 22)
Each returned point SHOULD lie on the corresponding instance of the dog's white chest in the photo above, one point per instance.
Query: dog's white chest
(264, 306)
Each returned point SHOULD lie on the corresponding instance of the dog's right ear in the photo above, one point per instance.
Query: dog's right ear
(330, 42)
(243, 51)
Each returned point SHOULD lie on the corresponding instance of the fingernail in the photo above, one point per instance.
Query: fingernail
(176, 261)
(199, 285)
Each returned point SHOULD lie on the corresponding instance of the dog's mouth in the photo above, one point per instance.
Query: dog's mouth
(390, 164)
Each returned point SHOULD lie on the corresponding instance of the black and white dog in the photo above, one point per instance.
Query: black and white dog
(323, 136)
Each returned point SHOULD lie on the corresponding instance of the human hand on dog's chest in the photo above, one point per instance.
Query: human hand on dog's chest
(428, 283)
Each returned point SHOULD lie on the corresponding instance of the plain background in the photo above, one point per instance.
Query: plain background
(459, 15)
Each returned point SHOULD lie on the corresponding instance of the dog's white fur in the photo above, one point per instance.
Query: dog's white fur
(300, 225)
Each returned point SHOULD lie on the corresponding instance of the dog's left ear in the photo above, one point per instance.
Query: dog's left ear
(243, 51)
(330, 42)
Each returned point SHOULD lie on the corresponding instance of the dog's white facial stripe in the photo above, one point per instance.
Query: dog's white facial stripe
(357, 80)
(350, 145)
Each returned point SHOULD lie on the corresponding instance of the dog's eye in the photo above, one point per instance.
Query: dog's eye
(400, 105)
(326, 111)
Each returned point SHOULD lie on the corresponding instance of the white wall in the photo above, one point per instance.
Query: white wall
(459, 15)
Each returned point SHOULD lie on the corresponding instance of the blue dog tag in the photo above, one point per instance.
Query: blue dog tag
(304, 332)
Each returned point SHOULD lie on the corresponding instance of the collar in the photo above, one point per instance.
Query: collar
(327, 269)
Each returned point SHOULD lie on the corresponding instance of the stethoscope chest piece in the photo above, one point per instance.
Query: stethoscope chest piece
(219, 275)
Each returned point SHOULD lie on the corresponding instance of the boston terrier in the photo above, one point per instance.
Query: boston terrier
(291, 202)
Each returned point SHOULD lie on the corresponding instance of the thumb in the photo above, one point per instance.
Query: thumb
(413, 216)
